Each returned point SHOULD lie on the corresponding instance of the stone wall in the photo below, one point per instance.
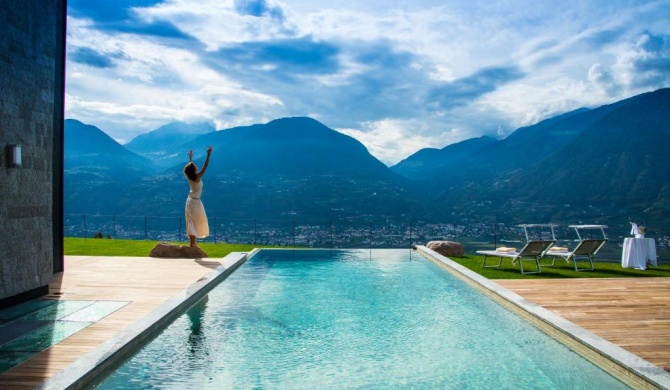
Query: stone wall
(32, 44)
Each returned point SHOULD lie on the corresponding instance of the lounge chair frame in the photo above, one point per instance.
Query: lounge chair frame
(585, 250)
(533, 251)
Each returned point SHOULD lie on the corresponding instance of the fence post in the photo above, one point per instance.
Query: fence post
(370, 235)
(410, 241)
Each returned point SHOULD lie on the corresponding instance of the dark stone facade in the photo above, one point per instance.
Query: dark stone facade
(32, 54)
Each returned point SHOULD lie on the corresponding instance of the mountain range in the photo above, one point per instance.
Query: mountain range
(607, 165)
(290, 167)
(171, 138)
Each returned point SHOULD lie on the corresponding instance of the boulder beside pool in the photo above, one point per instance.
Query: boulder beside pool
(171, 251)
(446, 248)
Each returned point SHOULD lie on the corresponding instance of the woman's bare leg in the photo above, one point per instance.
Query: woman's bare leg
(192, 238)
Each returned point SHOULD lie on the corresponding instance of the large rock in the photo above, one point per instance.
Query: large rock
(164, 249)
(446, 248)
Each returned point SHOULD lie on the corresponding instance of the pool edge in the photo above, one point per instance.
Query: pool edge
(622, 364)
(94, 366)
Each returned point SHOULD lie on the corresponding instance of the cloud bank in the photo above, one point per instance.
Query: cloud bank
(397, 77)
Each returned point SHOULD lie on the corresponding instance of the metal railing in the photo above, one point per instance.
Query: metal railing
(352, 233)
(285, 232)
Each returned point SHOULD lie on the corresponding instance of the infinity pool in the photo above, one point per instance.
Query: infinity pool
(352, 319)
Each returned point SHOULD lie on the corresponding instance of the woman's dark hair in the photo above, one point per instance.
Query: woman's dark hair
(190, 171)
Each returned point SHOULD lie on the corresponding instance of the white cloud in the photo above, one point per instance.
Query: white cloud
(645, 63)
(388, 140)
(217, 23)
(150, 85)
(394, 140)
(602, 78)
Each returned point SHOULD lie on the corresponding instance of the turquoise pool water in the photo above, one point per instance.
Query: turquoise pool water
(352, 319)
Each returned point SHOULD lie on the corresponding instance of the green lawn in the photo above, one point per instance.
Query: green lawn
(106, 247)
(561, 269)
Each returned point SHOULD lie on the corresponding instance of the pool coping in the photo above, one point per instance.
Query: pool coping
(93, 367)
(624, 365)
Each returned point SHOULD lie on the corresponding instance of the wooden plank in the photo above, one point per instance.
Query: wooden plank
(633, 313)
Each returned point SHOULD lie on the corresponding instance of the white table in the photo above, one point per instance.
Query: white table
(637, 251)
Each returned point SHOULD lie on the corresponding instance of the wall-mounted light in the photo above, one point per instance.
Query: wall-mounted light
(14, 155)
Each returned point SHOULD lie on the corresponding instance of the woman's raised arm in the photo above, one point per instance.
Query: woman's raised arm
(204, 167)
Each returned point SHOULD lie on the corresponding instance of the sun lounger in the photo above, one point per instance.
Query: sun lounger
(532, 251)
(586, 249)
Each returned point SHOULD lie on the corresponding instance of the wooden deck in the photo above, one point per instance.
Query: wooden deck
(144, 282)
(632, 313)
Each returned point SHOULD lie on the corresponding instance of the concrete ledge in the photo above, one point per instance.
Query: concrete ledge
(93, 367)
(627, 367)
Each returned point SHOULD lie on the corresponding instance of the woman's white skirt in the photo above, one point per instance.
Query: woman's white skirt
(196, 219)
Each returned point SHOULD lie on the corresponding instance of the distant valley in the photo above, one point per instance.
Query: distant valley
(607, 165)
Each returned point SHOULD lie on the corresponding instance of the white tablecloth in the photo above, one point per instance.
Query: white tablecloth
(637, 251)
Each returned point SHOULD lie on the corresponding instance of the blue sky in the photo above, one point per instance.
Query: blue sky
(396, 75)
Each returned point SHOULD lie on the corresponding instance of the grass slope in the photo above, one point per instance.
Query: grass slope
(105, 247)
(561, 269)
